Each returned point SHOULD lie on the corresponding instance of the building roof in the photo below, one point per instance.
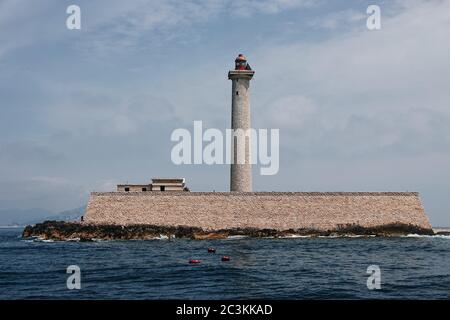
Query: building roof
(168, 180)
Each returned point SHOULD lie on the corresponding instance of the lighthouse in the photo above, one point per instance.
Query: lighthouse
(241, 168)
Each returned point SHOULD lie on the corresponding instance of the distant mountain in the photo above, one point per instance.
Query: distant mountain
(68, 215)
(10, 217)
(18, 217)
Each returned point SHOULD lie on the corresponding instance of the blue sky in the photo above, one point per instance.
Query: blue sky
(358, 110)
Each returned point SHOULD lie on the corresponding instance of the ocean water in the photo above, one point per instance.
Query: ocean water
(295, 268)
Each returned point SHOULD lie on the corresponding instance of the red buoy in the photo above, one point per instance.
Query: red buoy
(194, 261)
(211, 250)
(225, 258)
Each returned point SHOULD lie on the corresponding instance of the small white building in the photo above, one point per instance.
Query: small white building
(157, 184)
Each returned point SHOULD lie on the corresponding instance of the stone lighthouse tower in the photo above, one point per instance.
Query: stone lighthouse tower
(241, 168)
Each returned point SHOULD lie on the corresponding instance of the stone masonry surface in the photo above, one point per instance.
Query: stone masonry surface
(262, 210)
(241, 174)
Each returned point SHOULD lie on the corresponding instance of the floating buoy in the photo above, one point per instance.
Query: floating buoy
(194, 261)
(225, 258)
(211, 250)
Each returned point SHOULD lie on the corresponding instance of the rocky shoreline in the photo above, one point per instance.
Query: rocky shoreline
(62, 231)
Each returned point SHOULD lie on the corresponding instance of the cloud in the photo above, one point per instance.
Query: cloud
(23, 24)
(27, 150)
(85, 112)
(291, 112)
(113, 27)
(249, 8)
(356, 109)
(372, 92)
(51, 181)
(338, 20)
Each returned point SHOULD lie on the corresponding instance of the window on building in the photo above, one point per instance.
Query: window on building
(144, 189)
(163, 188)
(127, 189)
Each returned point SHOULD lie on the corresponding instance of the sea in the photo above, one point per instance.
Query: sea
(409, 267)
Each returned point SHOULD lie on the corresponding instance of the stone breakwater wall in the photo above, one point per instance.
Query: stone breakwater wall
(261, 210)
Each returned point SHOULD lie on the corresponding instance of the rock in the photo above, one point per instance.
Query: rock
(211, 235)
(60, 230)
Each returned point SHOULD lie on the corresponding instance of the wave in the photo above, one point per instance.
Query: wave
(237, 237)
(44, 240)
(438, 236)
(294, 236)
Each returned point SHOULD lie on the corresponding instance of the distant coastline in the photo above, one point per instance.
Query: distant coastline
(66, 215)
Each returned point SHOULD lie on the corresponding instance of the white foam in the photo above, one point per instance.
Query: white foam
(294, 236)
(38, 239)
(161, 237)
(438, 236)
(360, 236)
(237, 237)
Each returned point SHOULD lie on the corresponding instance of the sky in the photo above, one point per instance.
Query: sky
(357, 109)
